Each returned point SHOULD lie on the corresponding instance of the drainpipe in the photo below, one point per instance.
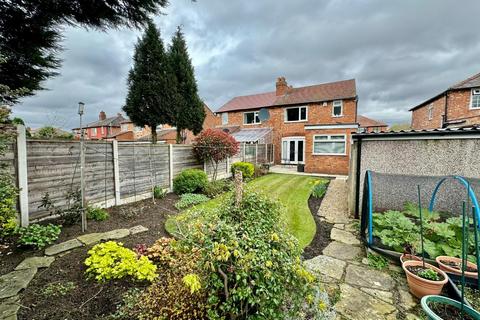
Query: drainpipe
(357, 178)
(445, 119)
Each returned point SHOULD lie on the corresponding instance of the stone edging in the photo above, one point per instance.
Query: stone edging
(11, 284)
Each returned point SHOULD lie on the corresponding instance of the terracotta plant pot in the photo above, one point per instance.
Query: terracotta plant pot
(421, 287)
(447, 268)
(409, 257)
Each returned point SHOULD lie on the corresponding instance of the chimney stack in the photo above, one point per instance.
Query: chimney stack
(281, 86)
(102, 115)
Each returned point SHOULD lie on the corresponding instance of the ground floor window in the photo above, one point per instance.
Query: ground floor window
(329, 144)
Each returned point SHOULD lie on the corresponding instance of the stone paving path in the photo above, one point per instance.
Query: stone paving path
(11, 284)
(362, 292)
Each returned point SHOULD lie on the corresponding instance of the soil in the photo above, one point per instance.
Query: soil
(417, 269)
(143, 213)
(322, 236)
(448, 312)
(457, 265)
(89, 299)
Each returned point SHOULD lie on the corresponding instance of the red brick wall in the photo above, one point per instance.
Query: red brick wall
(211, 120)
(458, 109)
(317, 114)
(328, 164)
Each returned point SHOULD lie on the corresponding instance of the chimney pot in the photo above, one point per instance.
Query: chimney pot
(102, 115)
(281, 86)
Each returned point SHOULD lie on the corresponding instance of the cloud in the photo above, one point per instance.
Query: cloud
(400, 52)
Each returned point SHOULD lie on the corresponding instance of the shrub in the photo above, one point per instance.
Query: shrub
(38, 236)
(190, 199)
(72, 214)
(261, 170)
(319, 189)
(178, 293)
(213, 145)
(252, 267)
(8, 200)
(159, 192)
(246, 168)
(97, 214)
(110, 260)
(190, 181)
(215, 188)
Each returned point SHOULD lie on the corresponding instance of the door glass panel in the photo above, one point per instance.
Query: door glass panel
(300, 151)
(292, 150)
(284, 151)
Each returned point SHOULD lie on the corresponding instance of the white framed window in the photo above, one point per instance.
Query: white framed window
(225, 118)
(475, 99)
(430, 112)
(124, 127)
(251, 117)
(330, 144)
(296, 114)
(94, 131)
(337, 108)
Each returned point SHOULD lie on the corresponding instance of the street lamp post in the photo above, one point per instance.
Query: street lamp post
(81, 109)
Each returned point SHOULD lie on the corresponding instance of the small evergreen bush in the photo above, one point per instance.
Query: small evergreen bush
(97, 214)
(319, 190)
(247, 169)
(111, 260)
(38, 236)
(215, 188)
(159, 192)
(190, 181)
(190, 199)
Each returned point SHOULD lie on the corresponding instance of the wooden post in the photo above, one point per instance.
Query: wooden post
(238, 181)
(266, 159)
(116, 173)
(22, 174)
(256, 153)
(170, 163)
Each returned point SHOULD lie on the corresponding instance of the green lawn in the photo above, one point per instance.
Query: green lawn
(292, 191)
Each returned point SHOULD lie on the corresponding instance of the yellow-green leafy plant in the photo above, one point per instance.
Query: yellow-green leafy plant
(8, 200)
(111, 260)
(97, 214)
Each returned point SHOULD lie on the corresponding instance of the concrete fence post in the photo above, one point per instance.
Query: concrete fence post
(22, 174)
(170, 165)
(116, 173)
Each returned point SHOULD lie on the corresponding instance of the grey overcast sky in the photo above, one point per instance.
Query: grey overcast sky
(400, 53)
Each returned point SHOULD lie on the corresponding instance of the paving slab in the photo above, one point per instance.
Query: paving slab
(35, 262)
(344, 236)
(62, 247)
(9, 308)
(116, 234)
(12, 283)
(369, 278)
(407, 300)
(326, 266)
(386, 296)
(342, 251)
(90, 238)
(355, 304)
(138, 229)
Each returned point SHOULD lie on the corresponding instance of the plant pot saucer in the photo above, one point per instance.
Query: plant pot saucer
(426, 300)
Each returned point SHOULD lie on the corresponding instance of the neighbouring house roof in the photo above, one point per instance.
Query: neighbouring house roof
(469, 83)
(108, 122)
(160, 133)
(317, 93)
(252, 135)
(365, 122)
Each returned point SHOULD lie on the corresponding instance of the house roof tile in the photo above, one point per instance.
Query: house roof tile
(365, 122)
(316, 93)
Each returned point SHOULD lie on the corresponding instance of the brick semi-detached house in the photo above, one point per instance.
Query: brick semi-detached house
(457, 106)
(309, 125)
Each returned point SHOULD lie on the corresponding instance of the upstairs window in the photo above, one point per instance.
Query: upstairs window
(337, 109)
(251, 118)
(93, 131)
(430, 112)
(475, 100)
(296, 114)
(225, 118)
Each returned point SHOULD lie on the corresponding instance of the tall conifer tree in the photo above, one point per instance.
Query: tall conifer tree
(188, 109)
(150, 89)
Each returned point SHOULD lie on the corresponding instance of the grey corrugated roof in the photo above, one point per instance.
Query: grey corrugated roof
(475, 129)
(251, 135)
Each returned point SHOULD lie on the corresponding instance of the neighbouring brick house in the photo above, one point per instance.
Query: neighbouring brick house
(310, 125)
(102, 128)
(457, 106)
(130, 132)
(370, 125)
